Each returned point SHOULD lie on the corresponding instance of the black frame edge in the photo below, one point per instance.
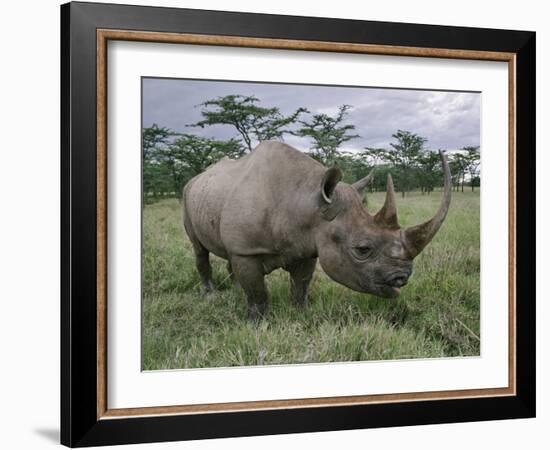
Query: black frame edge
(232, 23)
(78, 218)
(525, 223)
(303, 420)
(65, 416)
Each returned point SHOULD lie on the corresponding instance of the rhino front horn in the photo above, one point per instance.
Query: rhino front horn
(417, 237)
(387, 216)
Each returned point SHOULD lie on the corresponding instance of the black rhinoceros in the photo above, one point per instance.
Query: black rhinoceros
(278, 208)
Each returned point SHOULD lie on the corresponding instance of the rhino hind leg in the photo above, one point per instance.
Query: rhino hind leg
(204, 268)
(202, 260)
(231, 274)
(248, 272)
(301, 274)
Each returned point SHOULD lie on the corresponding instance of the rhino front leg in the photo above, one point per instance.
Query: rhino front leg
(248, 271)
(301, 274)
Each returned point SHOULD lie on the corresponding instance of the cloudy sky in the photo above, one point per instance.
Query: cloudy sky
(449, 120)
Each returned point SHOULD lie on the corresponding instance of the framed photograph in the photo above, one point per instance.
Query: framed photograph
(277, 224)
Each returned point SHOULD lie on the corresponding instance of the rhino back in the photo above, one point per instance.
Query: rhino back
(271, 205)
(263, 203)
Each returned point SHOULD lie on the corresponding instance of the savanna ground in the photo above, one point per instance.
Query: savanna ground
(436, 315)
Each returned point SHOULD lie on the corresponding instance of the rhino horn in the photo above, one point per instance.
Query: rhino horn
(417, 237)
(387, 216)
(361, 184)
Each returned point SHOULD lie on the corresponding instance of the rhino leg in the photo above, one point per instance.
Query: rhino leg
(231, 273)
(202, 262)
(202, 258)
(205, 270)
(248, 271)
(301, 274)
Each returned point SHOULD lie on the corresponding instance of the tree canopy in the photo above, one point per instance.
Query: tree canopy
(327, 133)
(251, 121)
(171, 158)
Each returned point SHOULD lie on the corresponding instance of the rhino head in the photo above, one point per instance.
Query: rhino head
(370, 253)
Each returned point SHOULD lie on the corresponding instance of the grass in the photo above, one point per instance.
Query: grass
(436, 315)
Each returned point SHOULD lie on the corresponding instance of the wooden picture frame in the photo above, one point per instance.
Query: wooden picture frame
(86, 418)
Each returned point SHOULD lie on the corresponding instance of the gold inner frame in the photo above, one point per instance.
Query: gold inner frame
(104, 35)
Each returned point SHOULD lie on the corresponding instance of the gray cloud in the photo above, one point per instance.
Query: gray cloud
(449, 120)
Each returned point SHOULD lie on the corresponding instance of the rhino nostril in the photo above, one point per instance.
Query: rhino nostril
(401, 281)
(398, 280)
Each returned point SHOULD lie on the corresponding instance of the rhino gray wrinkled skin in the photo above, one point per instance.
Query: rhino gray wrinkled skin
(278, 208)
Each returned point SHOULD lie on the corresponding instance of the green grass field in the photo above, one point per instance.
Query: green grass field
(436, 315)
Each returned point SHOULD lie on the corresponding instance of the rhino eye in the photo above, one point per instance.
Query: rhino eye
(363, 251)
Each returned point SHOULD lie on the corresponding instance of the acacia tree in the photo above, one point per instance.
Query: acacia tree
(154, 139)
(156, 174)
(190, 155)
(170, 159)
(197, 153)
(251, 121)
(428, 174)
(405, 154)
(327, 133)
(404, 157)
(458, 166)
(472, 163)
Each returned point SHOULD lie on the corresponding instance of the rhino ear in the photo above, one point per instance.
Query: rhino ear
(328, 184)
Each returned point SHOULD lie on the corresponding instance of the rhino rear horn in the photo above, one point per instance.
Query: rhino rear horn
(417, 237)
(387, 216)
(361, 184)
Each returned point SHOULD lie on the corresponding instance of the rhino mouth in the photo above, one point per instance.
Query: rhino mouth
(392, 286)
(382, 290)
(388, 291)
(389, 288)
